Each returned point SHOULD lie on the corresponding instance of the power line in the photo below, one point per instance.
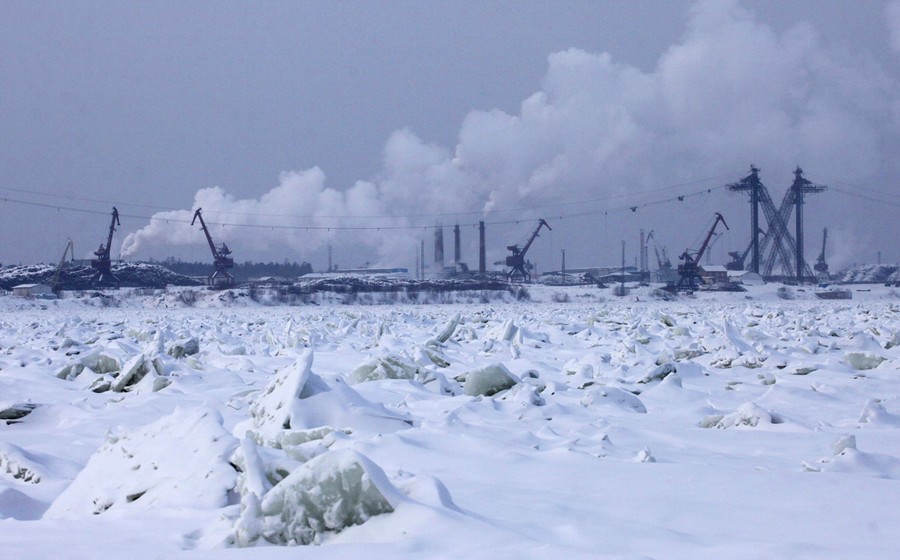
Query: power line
(632, 208)
(82, 198)
(542, 208)
(873, 192)
(866, 197)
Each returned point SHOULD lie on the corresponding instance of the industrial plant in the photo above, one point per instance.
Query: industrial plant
(774, 252)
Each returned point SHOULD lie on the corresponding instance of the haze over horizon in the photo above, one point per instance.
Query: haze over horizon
(363, 125)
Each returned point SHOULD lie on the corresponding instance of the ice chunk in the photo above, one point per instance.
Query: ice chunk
(70, 371)
(507, 332)
(182, 348)
(488, 380)
(645, 456)
(845, 441)
(100, 363)
(863, 360)
(425, 356)
(390, 366)
(448, 329)
(748, 414)
(14, 412)
(328, 494)
(740, 345)
(133, 371)
(298, 399)
(271, 410)
(658, 373)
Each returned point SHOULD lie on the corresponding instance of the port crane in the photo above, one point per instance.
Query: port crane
(688, 269)
(102, 264)
(220, 278)
(516, 261)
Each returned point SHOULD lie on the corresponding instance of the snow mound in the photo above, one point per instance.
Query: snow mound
(869, 273)
(296, 399)
(178, 461)
(31, 467)
(613, 396)
(874, 413)
(326, 495)
(848, 459)
(77, 277)
(18, 505)
(17, 463)
(748, 415)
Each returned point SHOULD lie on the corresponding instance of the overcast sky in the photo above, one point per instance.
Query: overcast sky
(341, 117)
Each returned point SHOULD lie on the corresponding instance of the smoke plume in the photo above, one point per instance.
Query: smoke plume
(732, 92)
(892, 12)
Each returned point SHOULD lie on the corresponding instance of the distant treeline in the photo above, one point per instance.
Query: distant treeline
(241, 271)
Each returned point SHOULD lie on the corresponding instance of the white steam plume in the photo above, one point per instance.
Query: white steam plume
(731, 93)
(892, 12)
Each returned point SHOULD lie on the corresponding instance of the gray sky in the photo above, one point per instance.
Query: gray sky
(344, 116)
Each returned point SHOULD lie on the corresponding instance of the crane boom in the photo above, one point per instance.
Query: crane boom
(709, 236)
(212, 246)
(535, 234)
(70, 249)
(112, 228)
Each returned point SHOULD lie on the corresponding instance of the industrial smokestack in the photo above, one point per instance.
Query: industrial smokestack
(481, 251)
(564, 266)
(456, 254)
(439, 247)
(643, 265)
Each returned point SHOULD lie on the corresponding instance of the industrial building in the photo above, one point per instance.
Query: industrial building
(32, 291)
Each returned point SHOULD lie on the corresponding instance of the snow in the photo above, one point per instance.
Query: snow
(78, 277)
(718, 425)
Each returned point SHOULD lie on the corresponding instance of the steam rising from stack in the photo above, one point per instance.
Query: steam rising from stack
(732, 92)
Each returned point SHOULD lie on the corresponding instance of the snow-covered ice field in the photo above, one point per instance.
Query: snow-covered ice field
(724, 425)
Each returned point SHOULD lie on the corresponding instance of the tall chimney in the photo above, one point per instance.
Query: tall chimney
(643, 265)
(564, 266)
(439, 247)
(481, 250)
(456, 255)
